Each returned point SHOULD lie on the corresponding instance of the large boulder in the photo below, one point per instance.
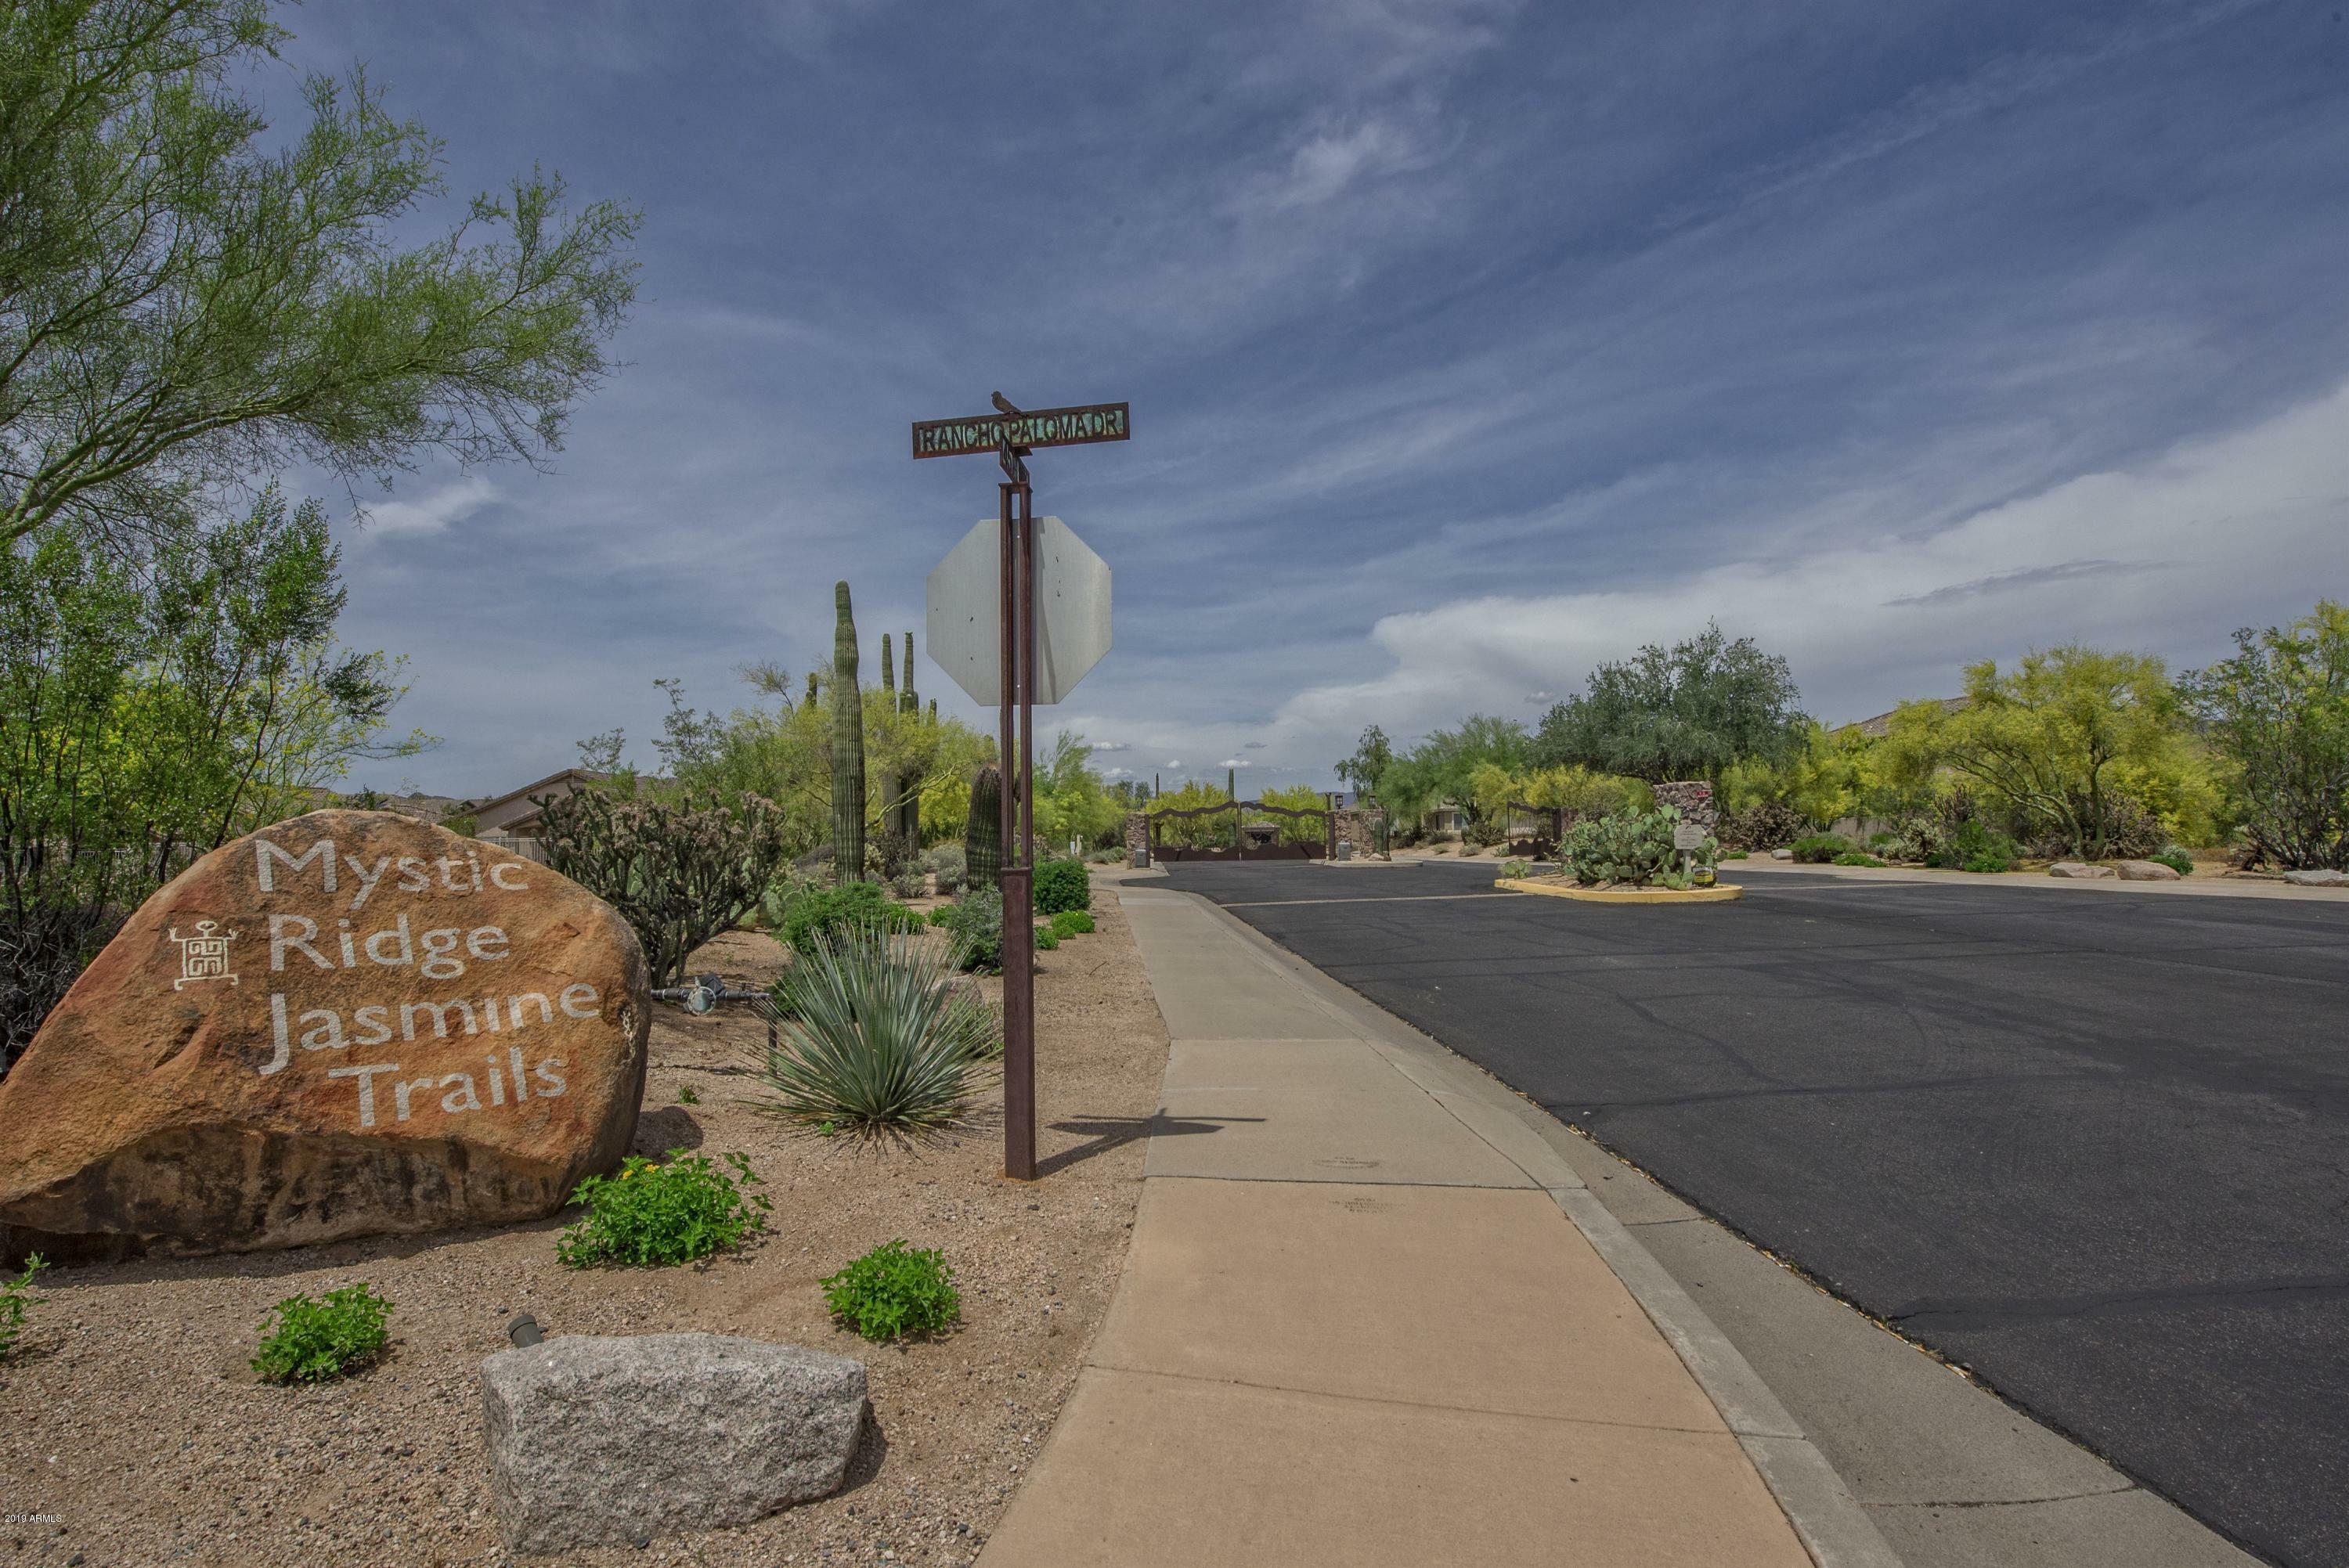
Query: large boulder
(2079, 871)
(594, 1439)
(2145, 870)
(2317, 879)
(347, 1024)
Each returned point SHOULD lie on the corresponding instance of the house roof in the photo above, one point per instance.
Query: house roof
(575, 776)
(1882, 725)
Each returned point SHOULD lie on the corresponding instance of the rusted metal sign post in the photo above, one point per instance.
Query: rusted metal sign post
(1011, 435)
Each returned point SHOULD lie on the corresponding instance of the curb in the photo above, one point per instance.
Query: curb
(1829, 1522)
(1721, 894)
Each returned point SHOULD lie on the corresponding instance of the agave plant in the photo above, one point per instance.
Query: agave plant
(880, 1037)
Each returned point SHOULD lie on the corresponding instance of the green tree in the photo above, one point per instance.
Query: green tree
(1443, 767)
(1372, 753)
(2279, 713)
(1308, 831)
(2061, 742)
(150, 710)
(1192, 833)
(1692, 711)
(179, 305)
(784, 753)
(1071, 802)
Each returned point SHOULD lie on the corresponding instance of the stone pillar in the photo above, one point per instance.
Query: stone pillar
(1137, 838)
(1694, 799)
(1358, 825)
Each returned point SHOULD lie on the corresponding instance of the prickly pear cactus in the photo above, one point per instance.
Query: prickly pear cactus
(847, 745)
(982, 833)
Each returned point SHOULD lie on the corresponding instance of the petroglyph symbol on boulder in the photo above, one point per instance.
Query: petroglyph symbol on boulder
(205, 955)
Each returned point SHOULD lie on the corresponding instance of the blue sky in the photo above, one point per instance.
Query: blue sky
(1468, 343)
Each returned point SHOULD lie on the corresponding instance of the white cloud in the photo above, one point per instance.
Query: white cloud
(1331, 159)
(1234, 762)
(2168, 557)
(1108, 746)
(433, 513)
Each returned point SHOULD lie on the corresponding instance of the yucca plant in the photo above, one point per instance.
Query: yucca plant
(884, 1039)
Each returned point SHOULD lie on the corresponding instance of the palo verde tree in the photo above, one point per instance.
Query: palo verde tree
(1690, 711)
(2278, 711)
(181, 305)
(150, 711)
(2064, 744)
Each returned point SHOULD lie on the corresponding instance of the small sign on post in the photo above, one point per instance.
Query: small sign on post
(1688, 838)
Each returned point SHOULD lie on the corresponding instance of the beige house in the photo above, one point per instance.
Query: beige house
(512, 821)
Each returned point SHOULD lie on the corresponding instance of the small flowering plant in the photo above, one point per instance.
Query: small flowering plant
(658, 1214)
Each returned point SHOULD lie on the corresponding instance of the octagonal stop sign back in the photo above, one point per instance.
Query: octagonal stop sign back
(965, 621)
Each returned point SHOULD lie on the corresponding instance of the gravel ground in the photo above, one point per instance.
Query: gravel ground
(133, 1433)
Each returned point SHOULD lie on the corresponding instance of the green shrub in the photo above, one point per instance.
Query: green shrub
(947, 862)
(885, 1040)
(316, 1340)
(16, 1296)
(1733, 854)
(1047, 939)
(976, 922)
(685, 1095)
(1515, 869)
(1633, 847)
(940, 915)
(1484, 832)
(1072, 922)
(1819, 849)
(2176, 860)
(1856, 858)
(654, 1215)
(1062, 884)
(1764, 825)
(894, 1291)
(822, 913)
(1975, 847)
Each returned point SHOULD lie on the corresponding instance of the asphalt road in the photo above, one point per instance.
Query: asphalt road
(2093, 1147)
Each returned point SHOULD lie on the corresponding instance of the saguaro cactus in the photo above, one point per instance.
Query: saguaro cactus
(909, 813)
(982, 833)
(847, 746)
(888, 669)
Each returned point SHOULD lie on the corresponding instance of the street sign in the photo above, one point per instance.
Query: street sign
(965, 630)
(1689, 836)
(1042, 427)
(1018, 612)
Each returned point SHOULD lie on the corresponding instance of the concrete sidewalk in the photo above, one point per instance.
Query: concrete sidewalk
(1371, 1317)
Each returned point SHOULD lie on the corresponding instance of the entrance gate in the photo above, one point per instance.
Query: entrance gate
(1247, 841)
(1534, 831)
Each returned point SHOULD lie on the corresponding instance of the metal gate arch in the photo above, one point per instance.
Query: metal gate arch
(1240, 849)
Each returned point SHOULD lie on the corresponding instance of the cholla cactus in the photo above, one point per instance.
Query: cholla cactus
(679, 874)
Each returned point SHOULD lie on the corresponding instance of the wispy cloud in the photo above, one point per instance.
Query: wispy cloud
(1464, 351)
(434, 512)
(2027, 577)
